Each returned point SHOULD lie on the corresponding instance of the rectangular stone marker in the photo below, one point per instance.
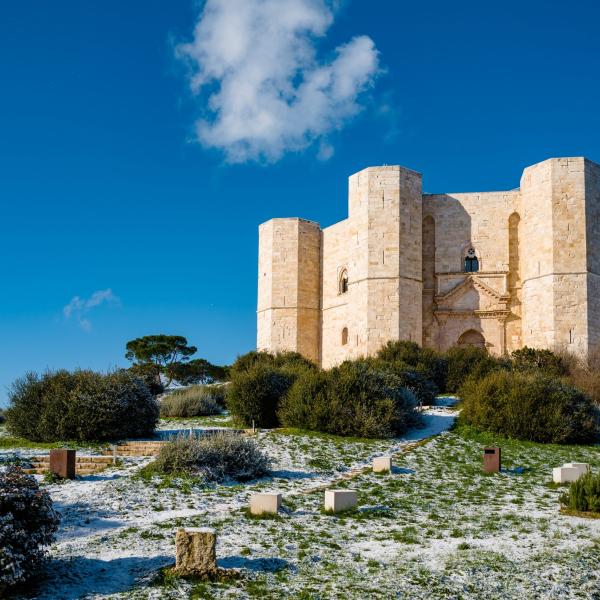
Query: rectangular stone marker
(62, 463)
(382, 464)
(582, 467)
(338, 500)
(265, 503)
(196, 552)
(565, 474)
(492, 459)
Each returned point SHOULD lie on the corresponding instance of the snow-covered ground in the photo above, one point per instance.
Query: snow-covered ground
(437, 527)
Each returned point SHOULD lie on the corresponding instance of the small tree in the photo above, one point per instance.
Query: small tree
(198, 370)
(28, 523)
(164, 352)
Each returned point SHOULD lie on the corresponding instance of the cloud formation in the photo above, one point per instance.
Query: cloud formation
(78, 308)
(254, 66)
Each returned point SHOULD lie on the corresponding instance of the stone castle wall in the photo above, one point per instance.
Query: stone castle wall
(403, 252)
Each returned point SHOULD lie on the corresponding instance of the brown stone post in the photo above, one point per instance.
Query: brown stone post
(491, 460)
(62, 463)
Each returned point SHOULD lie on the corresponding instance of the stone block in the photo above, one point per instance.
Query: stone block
(62, 463)
(265, 503)
(195, 552)
(382, 464)
(338, 500)
(583, 468)
(565, 474)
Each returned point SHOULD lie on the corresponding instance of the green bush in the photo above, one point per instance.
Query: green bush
(193, 401)
(416, 379)
(584, 494)
(290, 361)
(254, 395)
(222, 455)
(469, 362)
(28, 524)
(81, 406)
(2, 417)
(353, 399)
(529, 406)
(425, 361)
(259, 380)
(543, 361)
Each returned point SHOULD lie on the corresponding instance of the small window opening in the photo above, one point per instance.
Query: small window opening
(344, 336)
(343, 282)
(471, 261)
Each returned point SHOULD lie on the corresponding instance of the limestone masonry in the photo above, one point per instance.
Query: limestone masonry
(499, 270)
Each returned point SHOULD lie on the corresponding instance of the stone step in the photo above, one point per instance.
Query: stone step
(79, 471)
(104, 460)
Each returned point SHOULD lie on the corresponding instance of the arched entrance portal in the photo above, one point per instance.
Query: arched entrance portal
(471, 338)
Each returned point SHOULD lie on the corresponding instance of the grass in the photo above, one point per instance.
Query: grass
(436, 527)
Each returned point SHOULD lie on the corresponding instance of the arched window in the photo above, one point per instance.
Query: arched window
(471, 261)
(344, 336)
(343, 283)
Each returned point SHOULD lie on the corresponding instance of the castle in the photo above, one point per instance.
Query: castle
(500, 270)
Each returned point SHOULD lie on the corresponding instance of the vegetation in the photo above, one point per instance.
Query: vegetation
(541, 361)
(2, 416)
(468, 362)
(216, 457)
(193, 401)
(81, 406)
(585, 375)
(28, 524)
(259, 381)
(353, 399)
(426, 362)
(529, 406)
(168, 356)
(583, 495)
(255, 394)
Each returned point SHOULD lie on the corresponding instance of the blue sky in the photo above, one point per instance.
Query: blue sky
(135, 169)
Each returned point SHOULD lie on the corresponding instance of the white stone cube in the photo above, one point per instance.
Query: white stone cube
(565, 474)
(338, 500)
(265, 503)
(582, 467)
(382, 464)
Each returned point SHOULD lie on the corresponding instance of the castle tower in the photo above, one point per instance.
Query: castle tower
(289, 281)
(561, 258)
(385, 258)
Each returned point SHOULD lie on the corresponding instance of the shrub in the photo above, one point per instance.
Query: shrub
(2, 417)
(469, 362)
(544, 361)
(194, 401)
(529, 406)
(81, 406)
(412, 378)
(28, 524)
(584, 494)
(222, 455)
(290, 361)
(254, 394)
(353, 399)
(584, 374)
(425, 361)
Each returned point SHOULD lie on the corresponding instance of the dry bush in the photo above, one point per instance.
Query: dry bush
(218, 456)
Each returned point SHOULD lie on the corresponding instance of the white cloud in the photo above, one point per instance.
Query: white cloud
(79, 307)
(254, 67)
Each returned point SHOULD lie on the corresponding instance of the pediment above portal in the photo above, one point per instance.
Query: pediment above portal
(477, 293)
